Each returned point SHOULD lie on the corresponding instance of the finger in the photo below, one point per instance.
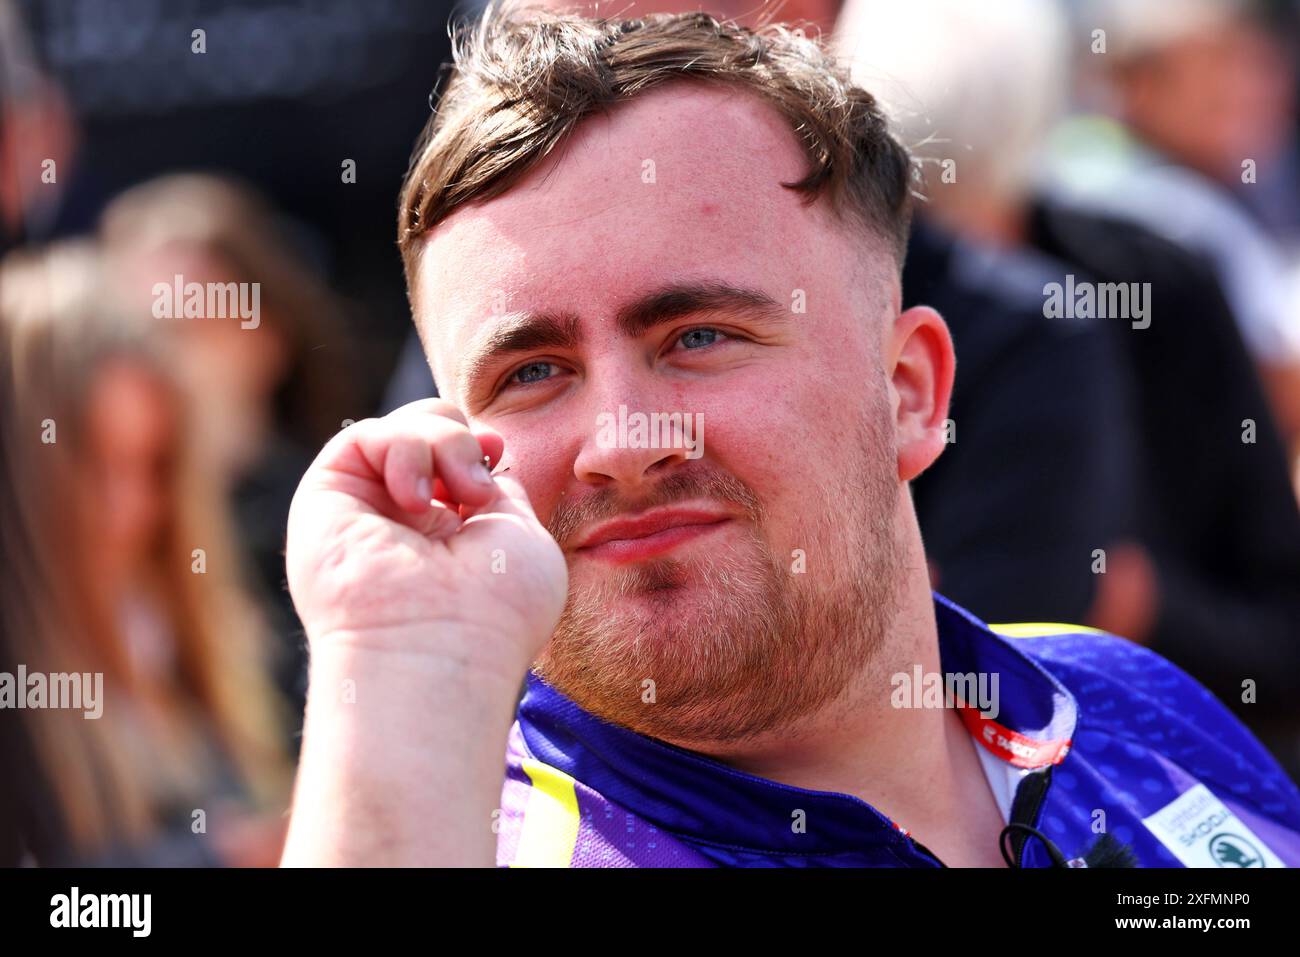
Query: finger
(440, 407)
(511, 499)
(339, 451)
(420, 457)
(439, 521)
(491, 442)
(458, 459)
(492, 447)
(408, 472)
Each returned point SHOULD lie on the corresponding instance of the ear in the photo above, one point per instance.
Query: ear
(921, 365)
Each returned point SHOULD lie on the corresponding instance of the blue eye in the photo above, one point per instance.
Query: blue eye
(532, 372)
(699, 338)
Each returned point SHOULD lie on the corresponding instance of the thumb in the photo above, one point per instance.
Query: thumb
(511, 499)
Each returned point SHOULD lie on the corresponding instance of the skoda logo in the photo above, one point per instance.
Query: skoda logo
(1229, 850)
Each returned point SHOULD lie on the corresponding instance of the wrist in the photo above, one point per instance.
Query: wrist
(438, 650)
(403, 748)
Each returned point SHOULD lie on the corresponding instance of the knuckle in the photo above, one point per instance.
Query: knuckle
(439, 407)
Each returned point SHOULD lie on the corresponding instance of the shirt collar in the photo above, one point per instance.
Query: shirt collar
(699, 798)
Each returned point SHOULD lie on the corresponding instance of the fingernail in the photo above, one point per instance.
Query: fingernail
(424, 489)
(479, 473)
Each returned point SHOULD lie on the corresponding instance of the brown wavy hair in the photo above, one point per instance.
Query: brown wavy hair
(522, 78)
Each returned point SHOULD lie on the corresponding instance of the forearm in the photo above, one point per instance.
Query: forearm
(402, 758)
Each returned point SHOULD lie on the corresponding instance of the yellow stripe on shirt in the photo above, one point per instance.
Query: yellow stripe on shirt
(551, 817)
(1040, 629)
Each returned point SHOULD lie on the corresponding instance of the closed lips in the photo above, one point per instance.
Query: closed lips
(652, 523)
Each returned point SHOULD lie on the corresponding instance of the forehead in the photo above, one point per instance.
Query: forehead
(682, 182)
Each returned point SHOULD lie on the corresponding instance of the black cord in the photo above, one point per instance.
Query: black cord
(1106, 852)
(1054, 852)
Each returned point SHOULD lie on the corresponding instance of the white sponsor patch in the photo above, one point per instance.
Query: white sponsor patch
(1201, 832)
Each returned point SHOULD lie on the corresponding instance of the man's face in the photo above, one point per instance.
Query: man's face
(1215, 97)
(740, 579)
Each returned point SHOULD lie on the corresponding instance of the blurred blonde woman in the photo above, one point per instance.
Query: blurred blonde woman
(122, 564)
(275, 387)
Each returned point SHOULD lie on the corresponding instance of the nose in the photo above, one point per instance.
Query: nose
(632, 441)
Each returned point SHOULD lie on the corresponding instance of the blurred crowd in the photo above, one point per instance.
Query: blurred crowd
(1136, 473)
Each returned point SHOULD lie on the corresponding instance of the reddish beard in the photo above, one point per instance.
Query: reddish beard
(729, 643)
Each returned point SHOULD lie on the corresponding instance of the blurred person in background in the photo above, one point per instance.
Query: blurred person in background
(1040, 468)
(1202, 550)
(128, 570)
(1209, 85)
(1190, 137)
(37, 137)
(309, 103)
(272, 389)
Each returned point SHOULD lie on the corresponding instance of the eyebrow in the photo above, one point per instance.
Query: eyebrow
(527, 331)
(684, 299)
